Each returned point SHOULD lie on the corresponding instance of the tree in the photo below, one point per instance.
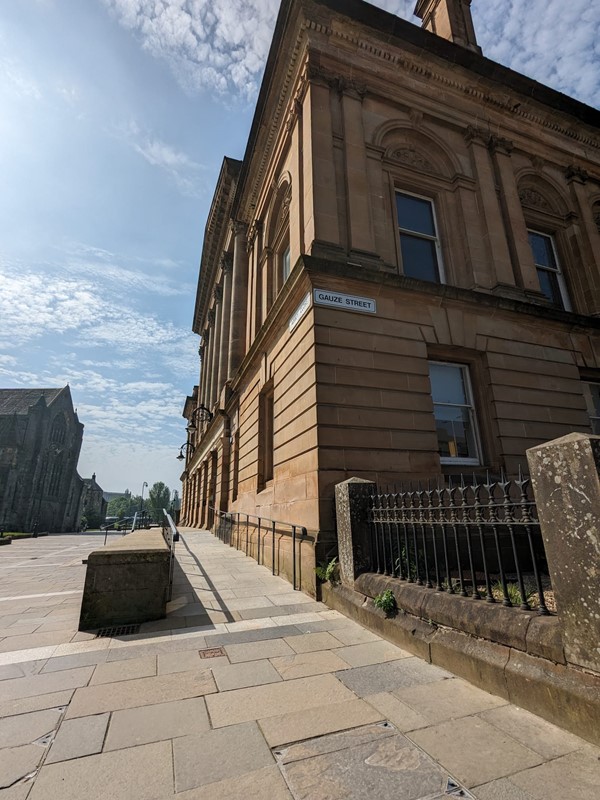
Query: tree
(158, 498)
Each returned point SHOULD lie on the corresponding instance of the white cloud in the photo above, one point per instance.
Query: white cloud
(183, 170)
(222, 45)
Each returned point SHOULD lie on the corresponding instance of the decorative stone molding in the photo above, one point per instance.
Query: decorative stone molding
(227, 262)
(575, 173)
(498, 144)
(531, 197)
(410, 156)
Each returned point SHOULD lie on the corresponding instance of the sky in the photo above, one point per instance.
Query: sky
(115, 116)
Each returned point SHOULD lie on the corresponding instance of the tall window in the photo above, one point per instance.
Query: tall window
(551, 280)
(454, 412)
(266, 431)
(592, 400)
(419, 242)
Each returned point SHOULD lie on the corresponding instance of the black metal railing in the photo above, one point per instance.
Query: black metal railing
(171, 535)
(237, 529)
(480, 539)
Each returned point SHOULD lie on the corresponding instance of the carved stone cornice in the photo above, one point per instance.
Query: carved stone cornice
(575, 173)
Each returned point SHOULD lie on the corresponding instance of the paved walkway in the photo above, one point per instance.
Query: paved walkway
(246, 690)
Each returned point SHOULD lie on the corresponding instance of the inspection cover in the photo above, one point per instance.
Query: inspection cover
(374, 761)
(213, 652)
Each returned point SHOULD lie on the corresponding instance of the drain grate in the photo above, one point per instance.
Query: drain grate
(117, 630)
(213, 652)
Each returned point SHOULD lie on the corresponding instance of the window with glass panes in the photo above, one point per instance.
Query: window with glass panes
(419, 243)
(454, 412)
(592, 401)
(550, 277)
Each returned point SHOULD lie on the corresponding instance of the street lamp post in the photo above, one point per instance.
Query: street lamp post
(144, 485)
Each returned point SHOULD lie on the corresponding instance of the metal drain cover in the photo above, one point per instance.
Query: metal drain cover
(117, 630)
(213, 652)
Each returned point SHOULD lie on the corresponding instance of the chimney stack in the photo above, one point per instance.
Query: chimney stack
(450, 19)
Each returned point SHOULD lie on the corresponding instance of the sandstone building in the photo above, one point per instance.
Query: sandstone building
(40, 440)
(401, 278)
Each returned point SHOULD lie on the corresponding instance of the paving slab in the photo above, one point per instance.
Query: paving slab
(311, 722)
(305, 664)
(17, 762)
(144, 667)
(391, 675)
(137, 773)
(576, 775)
(402, 716)
(218, 755)
(311, 642)
(249, 673)
(361, 655)
(375, 761)
(262, 784)
(78, 737)
(254, 651)
(26, 728)
(44, 684)
(154, 723)
(242, 705)
(449, 699)
(474, 751)
(140, 692)
(534, 732)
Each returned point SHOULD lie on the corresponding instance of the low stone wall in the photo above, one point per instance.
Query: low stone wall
(127, 582)
(511, 653)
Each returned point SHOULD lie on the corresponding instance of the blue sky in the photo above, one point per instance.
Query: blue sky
(116, 115)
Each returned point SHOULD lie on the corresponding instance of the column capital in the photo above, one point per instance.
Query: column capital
(577, 174)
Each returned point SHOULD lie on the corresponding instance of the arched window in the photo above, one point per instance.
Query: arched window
(59, 430)
(545, 210)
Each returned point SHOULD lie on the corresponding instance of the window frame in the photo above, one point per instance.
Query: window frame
(470, 398)
(562, 285)
(416, 234)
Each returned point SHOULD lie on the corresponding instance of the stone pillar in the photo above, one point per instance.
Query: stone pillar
(239, 300)
(565, 474)
(227, 266)
(354, 546)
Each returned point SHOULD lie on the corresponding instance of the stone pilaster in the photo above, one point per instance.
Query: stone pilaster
(239, 301)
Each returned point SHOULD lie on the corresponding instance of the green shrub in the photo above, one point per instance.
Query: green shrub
(386, 602)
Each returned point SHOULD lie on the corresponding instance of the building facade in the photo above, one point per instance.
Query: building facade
(40, 441)
(401, 278)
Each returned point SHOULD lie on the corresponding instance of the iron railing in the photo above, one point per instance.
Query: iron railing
(477, 539)
(171, 535)
(235, 529)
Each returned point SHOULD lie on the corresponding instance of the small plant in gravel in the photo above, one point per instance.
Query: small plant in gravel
(328, 571)
(386, 602)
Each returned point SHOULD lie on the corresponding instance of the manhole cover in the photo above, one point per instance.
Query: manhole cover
(117, 630)
(213, 652)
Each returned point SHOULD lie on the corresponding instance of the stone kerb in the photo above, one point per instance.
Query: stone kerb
(565, 474)
(351, 503)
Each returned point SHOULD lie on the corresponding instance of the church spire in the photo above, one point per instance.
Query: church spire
(450, 19)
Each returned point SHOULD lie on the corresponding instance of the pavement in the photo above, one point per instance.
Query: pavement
(246, 690)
